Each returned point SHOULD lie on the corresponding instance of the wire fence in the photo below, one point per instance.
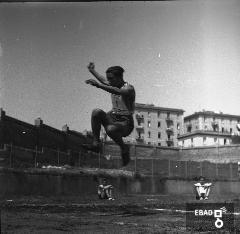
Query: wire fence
(18, 157)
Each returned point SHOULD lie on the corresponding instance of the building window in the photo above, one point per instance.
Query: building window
(149, 143)
(231, 130)
(215, 139)
(215, 127)
(159, 144)
(159, 135)
(222, 129)
(178, 126)
(204, 140)
(158, 114)
(149, 134)
(168, 115)
(159, 124)
(149, 123)
(189, 128)
(225, 141)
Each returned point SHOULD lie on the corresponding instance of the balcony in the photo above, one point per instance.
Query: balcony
(169, 140)
(138, 116)
(140, 139)
(169, 120)
(139, 128)
(214, 123)
(169, 130)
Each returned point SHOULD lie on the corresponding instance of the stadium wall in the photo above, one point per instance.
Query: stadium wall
(66, 183)
(221, 154)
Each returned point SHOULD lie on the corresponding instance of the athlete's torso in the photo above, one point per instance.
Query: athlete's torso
(124, 105)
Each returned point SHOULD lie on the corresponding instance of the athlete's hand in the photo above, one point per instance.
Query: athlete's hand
(91, 66)
(92, 82)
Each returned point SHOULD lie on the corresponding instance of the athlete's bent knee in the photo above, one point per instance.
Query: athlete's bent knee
(97, 112)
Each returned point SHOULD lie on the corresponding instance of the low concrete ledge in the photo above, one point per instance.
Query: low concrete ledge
(114, 173)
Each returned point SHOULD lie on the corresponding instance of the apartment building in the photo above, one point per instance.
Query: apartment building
(158, 126)
(209, 128)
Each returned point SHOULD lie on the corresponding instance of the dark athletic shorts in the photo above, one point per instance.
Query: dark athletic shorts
(125, 121)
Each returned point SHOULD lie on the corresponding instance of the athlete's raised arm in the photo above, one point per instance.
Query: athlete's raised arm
(100, 78)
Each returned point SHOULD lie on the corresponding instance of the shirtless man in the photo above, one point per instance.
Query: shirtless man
(118, 122)
(105, 190)
(202, 189)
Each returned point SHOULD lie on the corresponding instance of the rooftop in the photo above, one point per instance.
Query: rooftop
(151, 107)
(211, 114)
(204, 133)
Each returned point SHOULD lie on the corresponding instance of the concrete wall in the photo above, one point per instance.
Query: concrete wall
(18, 183)
(221, 154)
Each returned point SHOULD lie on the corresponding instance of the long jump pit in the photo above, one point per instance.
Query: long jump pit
(54, 200)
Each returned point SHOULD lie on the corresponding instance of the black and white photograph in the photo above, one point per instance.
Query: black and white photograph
(120, 117)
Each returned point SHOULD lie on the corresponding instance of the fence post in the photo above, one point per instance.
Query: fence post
(216, 170)
(152, 168)
(69, 156)
(11, 156)
(103, 148)
(186, 169)
(231, 171)
(58, 157)
(99, 160)
(35, 158)
(79, 158)
(201, 169)
(135, 154)
(169, 168)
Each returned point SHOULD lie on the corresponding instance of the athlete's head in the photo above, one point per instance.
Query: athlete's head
(115, 76)
(202, 179)
(104, 181)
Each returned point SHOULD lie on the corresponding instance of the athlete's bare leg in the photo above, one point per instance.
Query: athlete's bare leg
(115, 133)
(98, 118)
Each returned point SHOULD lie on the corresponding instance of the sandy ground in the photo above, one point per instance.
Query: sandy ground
(128, 214)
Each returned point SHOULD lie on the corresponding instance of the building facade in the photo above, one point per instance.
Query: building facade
(156, 125)
(208, 128)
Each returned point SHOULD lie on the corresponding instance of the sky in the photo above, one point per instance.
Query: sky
(177, 54)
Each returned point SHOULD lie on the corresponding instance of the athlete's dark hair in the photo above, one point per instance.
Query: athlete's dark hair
(116, 70)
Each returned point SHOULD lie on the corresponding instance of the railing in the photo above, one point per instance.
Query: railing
(140, 139)
(139, 127)
(170, 130)
(169, 120)
(140, 117)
